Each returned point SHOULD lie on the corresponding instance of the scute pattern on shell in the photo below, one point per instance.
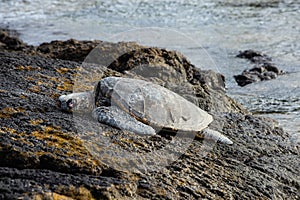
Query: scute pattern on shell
(155, 105)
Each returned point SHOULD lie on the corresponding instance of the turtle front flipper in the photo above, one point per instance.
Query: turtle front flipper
(208, 133)
(116, 117)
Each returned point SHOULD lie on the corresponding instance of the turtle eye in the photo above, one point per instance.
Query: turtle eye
(71, 103)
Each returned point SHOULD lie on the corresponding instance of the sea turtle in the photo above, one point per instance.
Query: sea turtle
(141, 107)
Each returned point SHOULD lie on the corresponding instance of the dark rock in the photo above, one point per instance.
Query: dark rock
(247, 78)
(67, 50)
(255, 4)
(43, 155)
(9, 41)
(254, 56)
(269, 67)
(263, 70)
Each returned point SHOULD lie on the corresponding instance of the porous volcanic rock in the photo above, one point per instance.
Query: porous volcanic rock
(43, 157)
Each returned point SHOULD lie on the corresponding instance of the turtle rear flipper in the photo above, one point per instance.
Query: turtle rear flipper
(116, 117)
(208, 133)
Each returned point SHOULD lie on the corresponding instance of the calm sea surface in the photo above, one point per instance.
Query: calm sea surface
(209, 32)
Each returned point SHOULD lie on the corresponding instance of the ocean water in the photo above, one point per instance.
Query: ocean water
(209, 32)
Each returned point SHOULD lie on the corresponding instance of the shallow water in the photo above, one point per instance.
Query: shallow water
(214, 27)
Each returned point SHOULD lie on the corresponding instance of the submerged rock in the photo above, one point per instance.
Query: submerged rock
(254, 56)
(43, 154)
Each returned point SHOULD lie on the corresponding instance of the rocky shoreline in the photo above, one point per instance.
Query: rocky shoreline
(42, 156)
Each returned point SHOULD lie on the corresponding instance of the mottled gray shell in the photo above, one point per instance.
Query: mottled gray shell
(154, 104)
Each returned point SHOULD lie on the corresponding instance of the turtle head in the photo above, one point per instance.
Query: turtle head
(77, 102)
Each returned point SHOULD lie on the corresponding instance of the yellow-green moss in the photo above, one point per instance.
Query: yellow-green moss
(9, 130)
(3, 91)
(9, 111)
(64, 144)
(23, 97)
(75, 192)
(51, 195)
(54, 79)
(36, 121)
(66, 193)
(27, 68)
(35, 89)
(56, 138)
(66, 85)
(63, 70)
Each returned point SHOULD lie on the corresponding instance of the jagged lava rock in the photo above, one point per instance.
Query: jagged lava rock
(42, 156)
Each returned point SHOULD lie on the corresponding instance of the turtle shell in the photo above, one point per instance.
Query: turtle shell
(154, 105)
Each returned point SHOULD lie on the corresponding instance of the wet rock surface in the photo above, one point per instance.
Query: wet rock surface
(43, 155)
(263, 70)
